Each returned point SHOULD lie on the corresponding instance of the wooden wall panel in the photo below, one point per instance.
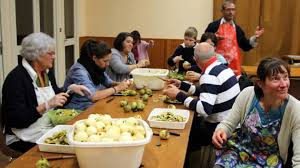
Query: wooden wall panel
(108, 40)
(156, 54)
(159, 54)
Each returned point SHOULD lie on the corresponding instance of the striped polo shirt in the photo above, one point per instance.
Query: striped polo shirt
(218, 87)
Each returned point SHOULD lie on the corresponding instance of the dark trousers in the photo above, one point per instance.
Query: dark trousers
(200, 135)
(21, 146)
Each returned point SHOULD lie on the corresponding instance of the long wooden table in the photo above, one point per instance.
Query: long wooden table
(171, 153)
(251, 71)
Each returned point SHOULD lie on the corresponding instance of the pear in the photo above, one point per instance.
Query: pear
(123, 103)
(127, 108)
(42, 163)
(164, 134)
(186, 64)
(145, 97)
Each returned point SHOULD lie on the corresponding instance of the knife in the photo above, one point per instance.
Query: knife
(60, 157)
(118, 94)
(109, 100)
(68, 91)
(171, 133)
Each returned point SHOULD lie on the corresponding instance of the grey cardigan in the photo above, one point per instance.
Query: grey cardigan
(118, 69)
(290, 126)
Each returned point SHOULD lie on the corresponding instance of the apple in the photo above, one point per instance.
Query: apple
(94, 138)
(100, 126)
(186, 65)
(81, 136)
(91, 130)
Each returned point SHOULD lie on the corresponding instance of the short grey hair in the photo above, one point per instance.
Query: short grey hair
(35, 45)
(204, 51)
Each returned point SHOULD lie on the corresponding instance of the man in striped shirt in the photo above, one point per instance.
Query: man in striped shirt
(215, 95)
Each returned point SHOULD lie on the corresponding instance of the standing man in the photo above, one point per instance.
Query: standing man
(232, 37)
(218, 87)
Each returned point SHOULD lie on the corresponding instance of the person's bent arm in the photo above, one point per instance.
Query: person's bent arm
(237, 112)
(101, 94)
(57, 101)
(119, 67)
(295, 125)
(19, 111)
(176, 54)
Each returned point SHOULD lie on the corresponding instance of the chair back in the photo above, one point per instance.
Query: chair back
(3, 147)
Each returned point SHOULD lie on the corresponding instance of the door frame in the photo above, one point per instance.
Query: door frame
(1, 61)
(9, 38)
(62, 41)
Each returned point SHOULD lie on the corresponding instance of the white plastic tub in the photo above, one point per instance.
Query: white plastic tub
(168, 124)
(53, 147)
(148, 77)
(111, 154)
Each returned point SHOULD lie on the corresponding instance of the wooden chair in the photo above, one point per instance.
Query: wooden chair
(203, 158)
(4, 149)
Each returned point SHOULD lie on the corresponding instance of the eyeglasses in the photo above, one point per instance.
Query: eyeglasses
(51, 52)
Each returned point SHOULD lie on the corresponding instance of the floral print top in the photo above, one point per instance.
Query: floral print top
(255, 144)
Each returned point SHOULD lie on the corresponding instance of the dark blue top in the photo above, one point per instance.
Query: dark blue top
(187, 55)
(79, 75)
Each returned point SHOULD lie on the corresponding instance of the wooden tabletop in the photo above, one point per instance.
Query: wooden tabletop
(251, 70)
(171, 153)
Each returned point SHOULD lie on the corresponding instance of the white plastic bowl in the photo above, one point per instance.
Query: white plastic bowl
(111, 154)
(53, 147)
(148, 77)
(168, 124)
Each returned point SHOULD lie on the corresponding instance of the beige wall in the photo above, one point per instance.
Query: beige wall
(153, 18)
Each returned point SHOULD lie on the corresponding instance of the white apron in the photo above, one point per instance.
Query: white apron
(43, 124)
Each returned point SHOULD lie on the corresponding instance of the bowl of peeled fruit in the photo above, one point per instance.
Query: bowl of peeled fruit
(62, 116)
(169, 118)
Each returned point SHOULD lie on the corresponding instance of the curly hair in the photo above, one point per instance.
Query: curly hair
(35, 45)
(118, 43)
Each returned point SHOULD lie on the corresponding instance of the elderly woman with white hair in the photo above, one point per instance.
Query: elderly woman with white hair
(30, 90)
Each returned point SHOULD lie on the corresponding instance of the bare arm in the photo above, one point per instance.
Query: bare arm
(101, 94)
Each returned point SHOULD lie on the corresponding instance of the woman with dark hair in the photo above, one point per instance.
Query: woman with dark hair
(269, 120)
(123, 62)
(89, 70)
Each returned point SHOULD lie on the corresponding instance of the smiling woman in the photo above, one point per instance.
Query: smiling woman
(123, 62)
(269, 119)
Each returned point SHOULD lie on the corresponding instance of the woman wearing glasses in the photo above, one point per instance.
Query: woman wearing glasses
(30, 90)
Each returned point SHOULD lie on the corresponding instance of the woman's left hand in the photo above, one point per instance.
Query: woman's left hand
(80, 89)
